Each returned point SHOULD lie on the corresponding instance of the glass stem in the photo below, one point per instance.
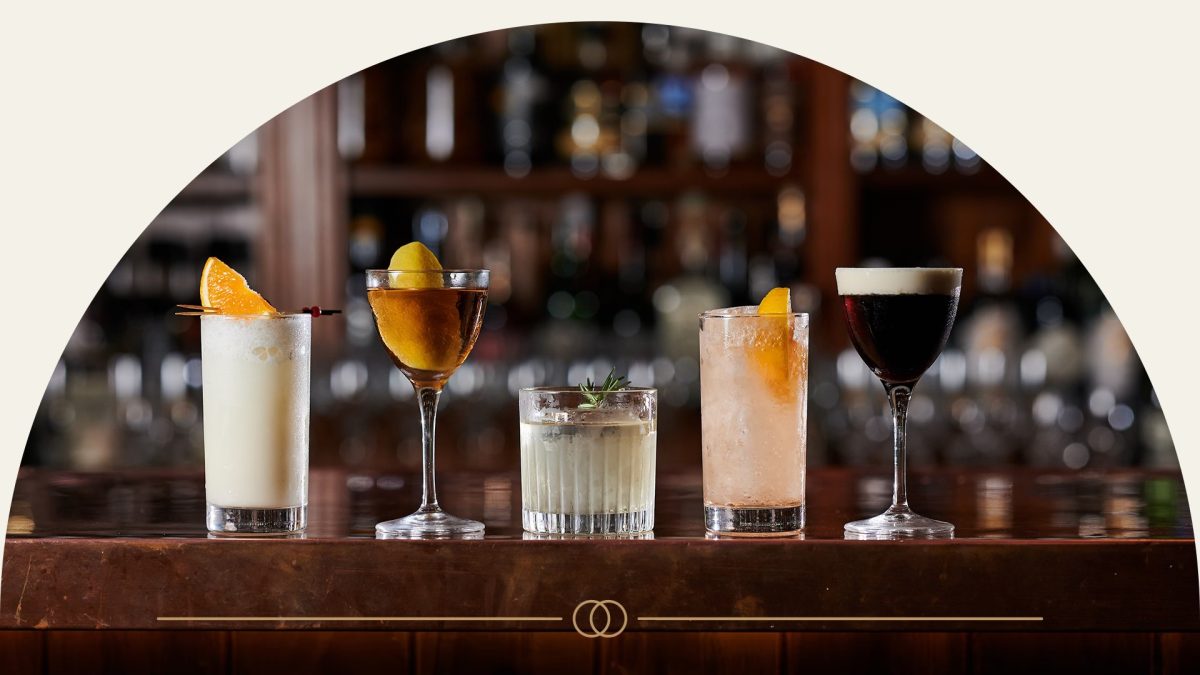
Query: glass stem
(898, 396)
(427, 398)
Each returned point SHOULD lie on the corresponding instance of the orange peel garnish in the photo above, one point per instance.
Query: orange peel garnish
(774, 354)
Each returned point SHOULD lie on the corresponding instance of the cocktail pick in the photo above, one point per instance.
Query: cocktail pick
(196, 310)
(201, 310)
(319, 311)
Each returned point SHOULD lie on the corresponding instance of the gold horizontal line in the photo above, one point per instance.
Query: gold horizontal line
(360, 618)
(839, 618)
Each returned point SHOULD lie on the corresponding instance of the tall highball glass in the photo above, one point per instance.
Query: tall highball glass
(753, 419)
(256, 413)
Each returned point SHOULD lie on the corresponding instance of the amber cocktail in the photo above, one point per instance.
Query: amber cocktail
(429, 332)
(429, 321)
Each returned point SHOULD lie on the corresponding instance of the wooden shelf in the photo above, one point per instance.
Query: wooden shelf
(915, 178)
(213, 186)
(396, 181)
(411, 181)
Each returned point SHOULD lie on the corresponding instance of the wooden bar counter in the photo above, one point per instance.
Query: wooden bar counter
(1102, 561)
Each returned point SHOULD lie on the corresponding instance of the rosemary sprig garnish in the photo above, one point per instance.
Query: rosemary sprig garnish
(595, 395)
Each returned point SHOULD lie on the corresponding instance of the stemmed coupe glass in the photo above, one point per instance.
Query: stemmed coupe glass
(429, 321)
(899, 320)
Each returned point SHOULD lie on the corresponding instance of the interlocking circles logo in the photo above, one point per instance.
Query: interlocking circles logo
(599, 618)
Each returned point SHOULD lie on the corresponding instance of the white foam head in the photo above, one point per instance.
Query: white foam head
(898, 280)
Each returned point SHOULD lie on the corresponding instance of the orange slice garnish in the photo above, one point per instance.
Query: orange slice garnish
(223, 288)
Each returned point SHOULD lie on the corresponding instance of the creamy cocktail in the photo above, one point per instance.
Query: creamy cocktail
(255, 363)
(754, 414)
(256, 410)
(587, 468)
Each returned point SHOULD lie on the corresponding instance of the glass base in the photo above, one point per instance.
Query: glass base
(899, 524)
(753, 521)
(549, 536)
(429, 525)
(234, 521)
(626, 522)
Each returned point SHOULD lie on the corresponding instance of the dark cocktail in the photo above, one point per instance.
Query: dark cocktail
(899, 320)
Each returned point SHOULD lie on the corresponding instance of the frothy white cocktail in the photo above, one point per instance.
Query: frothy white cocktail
(898, 280)
(256, 419)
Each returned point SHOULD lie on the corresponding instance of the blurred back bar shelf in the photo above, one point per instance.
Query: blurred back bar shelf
(617, 179)
(494, 182)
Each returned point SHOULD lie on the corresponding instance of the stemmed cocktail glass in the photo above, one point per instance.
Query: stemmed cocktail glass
(899, 320)
(429, 321)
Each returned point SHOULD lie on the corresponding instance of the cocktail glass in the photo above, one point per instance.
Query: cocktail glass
(587, 470)
(256, 413)
(429, 321)
(899, 320)
(754, 416)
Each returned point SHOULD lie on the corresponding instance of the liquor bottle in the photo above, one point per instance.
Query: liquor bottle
(893, 132)
(791, 231)
(721, 130)
(681, 299)
(619, 279)
(934, 144)
(965, 159)
(521, 90)
(672, 90)
(879, 129)
(635, 127)
(778, 110)
(991, 336)
(1111, 393)
(864, 127)
(1053, 368)
(582, 140)
(732, 260)
(439, 112)
(351, 117)
(528, 254)
(464, 233)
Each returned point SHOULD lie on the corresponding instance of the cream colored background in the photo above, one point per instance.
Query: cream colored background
(109, 109)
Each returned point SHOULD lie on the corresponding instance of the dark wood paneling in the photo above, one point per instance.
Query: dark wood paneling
(262, 652)
(1179, 653)
(870, 653)
(21, 651)
(832, 239)
(302, 190)
(464, 652)
(692, 653)
(1095, 654)
(361, 653)
(178, 652)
